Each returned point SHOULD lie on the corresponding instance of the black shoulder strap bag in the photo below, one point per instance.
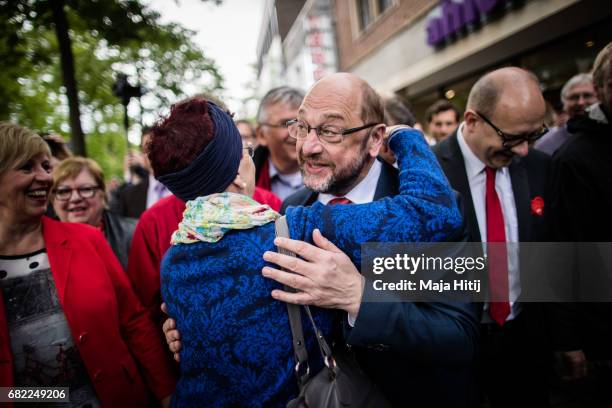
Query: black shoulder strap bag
(341, 383)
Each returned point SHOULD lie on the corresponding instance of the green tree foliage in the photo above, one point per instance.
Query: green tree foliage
(107, 37)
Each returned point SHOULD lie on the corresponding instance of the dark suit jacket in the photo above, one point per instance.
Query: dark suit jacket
(132, 200)
(529, 177)
(395, 342)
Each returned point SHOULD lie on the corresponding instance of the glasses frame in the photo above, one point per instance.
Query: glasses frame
(250, 150)
(317, 129)
(509, 140)
(79, 190)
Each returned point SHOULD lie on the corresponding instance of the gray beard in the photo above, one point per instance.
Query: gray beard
(340, 181)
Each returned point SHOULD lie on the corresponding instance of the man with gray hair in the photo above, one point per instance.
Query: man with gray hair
(577, 94)
(275, 158)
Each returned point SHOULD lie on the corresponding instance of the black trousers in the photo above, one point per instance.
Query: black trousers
(514, 364)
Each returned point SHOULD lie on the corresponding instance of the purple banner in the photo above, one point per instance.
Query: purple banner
(455, 16)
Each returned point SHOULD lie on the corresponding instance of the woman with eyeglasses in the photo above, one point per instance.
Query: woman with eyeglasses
(68, 314)
(79, 195)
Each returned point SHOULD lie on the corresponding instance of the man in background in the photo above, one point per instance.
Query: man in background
(488, 160)
(442, 120)
(580, 213)
(396, 113)
(275, 158)
(132, 200)
(577, 94)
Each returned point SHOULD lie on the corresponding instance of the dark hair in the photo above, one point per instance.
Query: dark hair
(56, 144)
(439, 106)
(396, 113)
(177, 140)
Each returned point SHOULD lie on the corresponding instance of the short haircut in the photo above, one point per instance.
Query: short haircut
(573, 81)
(439, 106)
(18, 145)
(177, 140)
(486, 92)
(73, 166)
(372, 109)
(283, 94)
(396, 113)
(602, 61)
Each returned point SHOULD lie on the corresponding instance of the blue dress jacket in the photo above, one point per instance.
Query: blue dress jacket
(236, 339)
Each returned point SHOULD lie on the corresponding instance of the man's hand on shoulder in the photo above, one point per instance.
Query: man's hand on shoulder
(324, 276)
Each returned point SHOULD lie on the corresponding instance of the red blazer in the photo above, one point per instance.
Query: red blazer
(151, 240)
(115, 336)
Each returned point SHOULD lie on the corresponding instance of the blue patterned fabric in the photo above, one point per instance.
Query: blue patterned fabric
(236, 339)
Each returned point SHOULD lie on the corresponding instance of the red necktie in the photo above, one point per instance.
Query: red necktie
(339, 200)
(497, 254)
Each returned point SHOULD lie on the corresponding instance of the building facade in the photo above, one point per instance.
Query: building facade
(426, 50)
(297, 44)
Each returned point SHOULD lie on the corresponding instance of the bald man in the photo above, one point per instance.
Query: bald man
(419, 354)
(489, 161)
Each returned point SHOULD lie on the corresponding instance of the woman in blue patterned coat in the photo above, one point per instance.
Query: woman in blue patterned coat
(236, 339)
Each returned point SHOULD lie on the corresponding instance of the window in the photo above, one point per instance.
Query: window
(368, 11)
(384, 5)
(365, 16)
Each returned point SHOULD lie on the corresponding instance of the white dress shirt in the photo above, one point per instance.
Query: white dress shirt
(362, 193)
(156, 191)
(476, 175)
(283, 185)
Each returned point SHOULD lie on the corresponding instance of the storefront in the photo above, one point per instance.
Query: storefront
(443, 53)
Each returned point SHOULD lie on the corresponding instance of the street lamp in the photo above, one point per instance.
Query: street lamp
(125, 91)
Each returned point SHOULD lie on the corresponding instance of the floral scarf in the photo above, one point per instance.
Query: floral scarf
(208, 218)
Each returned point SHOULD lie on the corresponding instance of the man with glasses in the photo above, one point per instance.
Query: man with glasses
(275, 158)
(339, 132)
(337, 157)
(502, 181)
(577, 94)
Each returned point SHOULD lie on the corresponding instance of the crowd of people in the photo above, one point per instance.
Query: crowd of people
(86, 270)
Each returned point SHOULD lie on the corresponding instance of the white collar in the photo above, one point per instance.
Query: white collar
(597, 114)
(473, 165)
(363, 192)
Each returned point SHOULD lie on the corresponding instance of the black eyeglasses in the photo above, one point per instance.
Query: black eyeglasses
(326, 133)
(510, 140)
(64, 193)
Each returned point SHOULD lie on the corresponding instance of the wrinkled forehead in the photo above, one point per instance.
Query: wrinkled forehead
(331, 103)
